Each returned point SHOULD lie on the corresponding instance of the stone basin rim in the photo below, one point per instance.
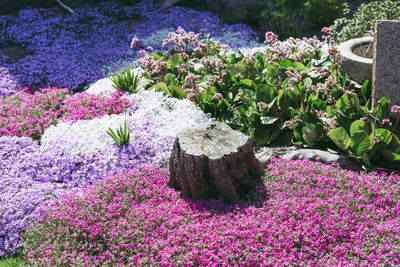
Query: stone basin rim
(346, 49)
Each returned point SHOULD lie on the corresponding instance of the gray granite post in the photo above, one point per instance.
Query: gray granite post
(386, 61)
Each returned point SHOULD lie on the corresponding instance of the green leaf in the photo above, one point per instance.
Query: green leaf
(318, 104)
(265, 93)
(170, 78)
(309, 133)
(360, 142)
(366, 90)
(268, 120)
(286, 63)
(358, 125)
(395, 144)
(343, 104)
(247, 82)
(283, 102)
(300, 67)
(384, 135)
(238, 68)
(390, 155)
(382, 108)
(174, 60)
(161, 87)
(355, 101)
(261, 135)
(307, 81)
(177, 91)
(340, 137)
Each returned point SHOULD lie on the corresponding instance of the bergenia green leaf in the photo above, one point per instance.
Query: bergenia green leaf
(268, 120)
(340, 137)
(360, 142)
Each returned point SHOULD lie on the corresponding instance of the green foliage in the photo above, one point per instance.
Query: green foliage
(122, 136)
(323, 12)
(12, 261)
(364, 19)
(284, 18)
(126, 81)
(291, 95)
(369, 140)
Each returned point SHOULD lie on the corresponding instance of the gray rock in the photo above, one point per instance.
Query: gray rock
(268, 153)
(386, 61)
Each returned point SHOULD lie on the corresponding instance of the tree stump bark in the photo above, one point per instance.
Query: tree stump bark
(213, 161)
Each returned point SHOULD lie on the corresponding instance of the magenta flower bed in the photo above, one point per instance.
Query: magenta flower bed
(313, 214)
(84, 106)
(27, 114)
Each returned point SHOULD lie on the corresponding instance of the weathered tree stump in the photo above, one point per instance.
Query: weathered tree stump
(213, 161)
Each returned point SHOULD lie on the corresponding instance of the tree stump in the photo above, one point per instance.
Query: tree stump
(213, 161)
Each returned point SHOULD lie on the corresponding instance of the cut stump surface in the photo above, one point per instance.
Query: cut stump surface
(212, 161)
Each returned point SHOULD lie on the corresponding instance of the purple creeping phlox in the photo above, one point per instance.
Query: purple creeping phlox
(31, 176)
(71, 50)
(313, 215)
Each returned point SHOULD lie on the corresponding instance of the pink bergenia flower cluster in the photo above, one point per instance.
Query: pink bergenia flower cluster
(182, 42)
(26, 114)
(300, 50)
(295, 76)
(191, 87)
(157, 68)
(84, 106)
(313, 215)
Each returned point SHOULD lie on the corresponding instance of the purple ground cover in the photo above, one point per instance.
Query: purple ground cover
(32, 176)
(313, 214)
(71, 50)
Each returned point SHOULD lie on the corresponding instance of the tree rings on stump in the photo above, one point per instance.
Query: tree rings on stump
(212, 161)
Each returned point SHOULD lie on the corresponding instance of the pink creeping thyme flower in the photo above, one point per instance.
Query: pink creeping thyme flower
(85, 106)
(314, 215)
(364, 119)
(150, 48)
(26, 114)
